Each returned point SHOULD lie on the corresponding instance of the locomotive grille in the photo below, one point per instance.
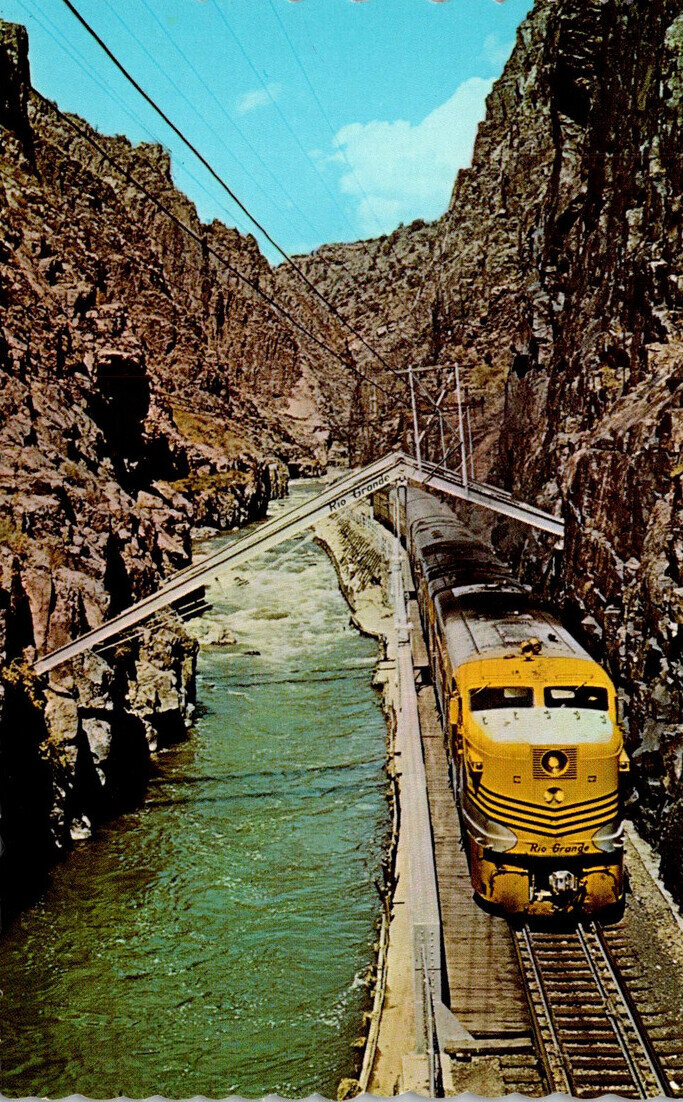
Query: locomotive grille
(541, 774)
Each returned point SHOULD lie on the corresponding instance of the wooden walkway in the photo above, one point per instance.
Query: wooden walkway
(486, 992)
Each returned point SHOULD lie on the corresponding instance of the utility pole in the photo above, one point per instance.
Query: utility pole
(461, 427)
(416, 433)
(464, 431)
(469, 435)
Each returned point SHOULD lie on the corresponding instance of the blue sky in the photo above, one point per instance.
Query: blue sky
(330, 119)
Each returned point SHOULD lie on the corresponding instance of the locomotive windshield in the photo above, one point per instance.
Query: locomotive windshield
(576, 696)
(501, 696)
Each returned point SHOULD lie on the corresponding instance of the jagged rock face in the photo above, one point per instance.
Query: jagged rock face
(139, 390)
(384, 289)
(134, 260)
(555, 279)
(14, 89)
(593, 403)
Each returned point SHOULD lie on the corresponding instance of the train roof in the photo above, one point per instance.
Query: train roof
(487, 621)
(483, 609)
(424, 509)
(449, 554)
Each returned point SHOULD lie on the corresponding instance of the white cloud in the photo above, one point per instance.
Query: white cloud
(400, 172)
(260, 97)
(497, 52)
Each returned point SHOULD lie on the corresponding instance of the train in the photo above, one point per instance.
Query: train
(535, 751)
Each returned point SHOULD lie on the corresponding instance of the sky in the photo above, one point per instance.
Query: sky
(331, 120)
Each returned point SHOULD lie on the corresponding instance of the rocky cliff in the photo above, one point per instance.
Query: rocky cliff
(145, 390)
(588, 176)
(136, 380)
(555, 279)
(593, 404)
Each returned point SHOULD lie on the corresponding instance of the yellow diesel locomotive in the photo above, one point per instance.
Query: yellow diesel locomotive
(531, 726)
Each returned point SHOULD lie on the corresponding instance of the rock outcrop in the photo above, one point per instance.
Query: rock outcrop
(144, 391)
(593, 420)
(137, 373)
(555, 280)
(585, 132)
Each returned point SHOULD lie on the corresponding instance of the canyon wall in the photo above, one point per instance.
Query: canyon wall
(593, 401)
(555, 280)
(592, 424)
(145, 391)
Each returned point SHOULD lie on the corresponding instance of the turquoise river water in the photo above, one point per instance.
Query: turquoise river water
(215, 941)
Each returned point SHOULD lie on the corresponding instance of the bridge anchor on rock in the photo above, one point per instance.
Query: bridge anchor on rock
(185, 589)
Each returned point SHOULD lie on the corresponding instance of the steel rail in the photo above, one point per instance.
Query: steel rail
(634, 1015)
(555, 1064)
(562, 1055)
(611, 1011)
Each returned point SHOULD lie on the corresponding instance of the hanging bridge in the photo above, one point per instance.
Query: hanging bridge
(394, 468)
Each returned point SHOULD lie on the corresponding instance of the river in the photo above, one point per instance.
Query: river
(215, 941)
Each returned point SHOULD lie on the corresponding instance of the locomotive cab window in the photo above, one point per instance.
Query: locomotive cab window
(501, 696)
(576, 696)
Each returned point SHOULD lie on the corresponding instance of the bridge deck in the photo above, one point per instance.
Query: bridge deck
(350, 488)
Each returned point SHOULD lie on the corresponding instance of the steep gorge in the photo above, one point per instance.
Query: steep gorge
(555, 279)
(146, 391)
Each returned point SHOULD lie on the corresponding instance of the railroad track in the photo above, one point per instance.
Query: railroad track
(590, 1034)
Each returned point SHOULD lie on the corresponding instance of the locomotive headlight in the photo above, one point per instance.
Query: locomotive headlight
(487, 832)
(554, 762)
(609, 838)
(499, 838)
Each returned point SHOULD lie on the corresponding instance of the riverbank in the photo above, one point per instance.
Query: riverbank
(361, 553)
(92, 728)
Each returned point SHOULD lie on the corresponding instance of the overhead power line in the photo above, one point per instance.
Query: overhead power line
(322, 110)
(169, 122)
(308, 224)
(295, 267)
(279, 111)
(70, 50)
(231, 122)
(226, 187)
(78, 59)
(200, 240)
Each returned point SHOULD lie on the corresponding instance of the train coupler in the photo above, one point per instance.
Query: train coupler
(562, 882)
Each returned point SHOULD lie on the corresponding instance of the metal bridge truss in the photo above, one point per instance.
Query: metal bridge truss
(392, 469)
